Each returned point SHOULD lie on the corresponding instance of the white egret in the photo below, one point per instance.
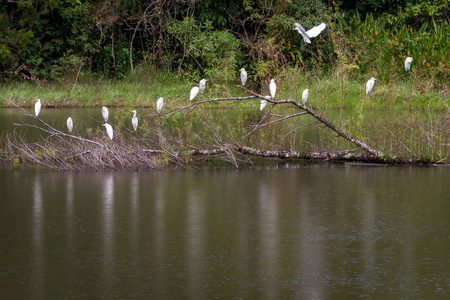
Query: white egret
(369, 85)
(37, 107)
(263, 103)
(243, 76)
(194, 92)
(272, 88)
(313, 32)
(109, 130)
(105, 113)
(305, 96)
(202, 85)
(134, 120)
(408, 62)
(69, 124)
(159, 104)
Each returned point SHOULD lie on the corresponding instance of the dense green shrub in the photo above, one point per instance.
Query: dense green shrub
(206, 52)
(379, 46)
(63, 38)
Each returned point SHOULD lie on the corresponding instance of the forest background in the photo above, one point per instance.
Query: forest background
(172, 44)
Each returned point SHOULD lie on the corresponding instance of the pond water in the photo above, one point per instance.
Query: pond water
(275, 232)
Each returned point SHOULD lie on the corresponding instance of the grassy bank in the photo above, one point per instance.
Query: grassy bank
(142, 88)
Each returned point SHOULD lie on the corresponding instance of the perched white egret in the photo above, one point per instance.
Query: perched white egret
(408, 62)
(272, 88)
(305, 96)
(109, 130)
(37, 107)
(105, 113)
(243, 76)
(263, 103)
(202, 85)
(159, 104)
(134, 120)
(69, 124)
(313, 32)
(369, 85)
(194, 92)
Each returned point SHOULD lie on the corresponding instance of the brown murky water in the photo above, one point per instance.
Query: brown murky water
(290, 231)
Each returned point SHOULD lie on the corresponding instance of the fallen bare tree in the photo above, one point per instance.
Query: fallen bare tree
(160, 144)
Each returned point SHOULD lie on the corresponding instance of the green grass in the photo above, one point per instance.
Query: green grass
(142, 89)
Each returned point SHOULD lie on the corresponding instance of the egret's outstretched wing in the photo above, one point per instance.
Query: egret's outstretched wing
(300, 27)
(316, 30)
(302, 32)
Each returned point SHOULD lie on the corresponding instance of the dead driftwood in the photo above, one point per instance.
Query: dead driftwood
(154, 149)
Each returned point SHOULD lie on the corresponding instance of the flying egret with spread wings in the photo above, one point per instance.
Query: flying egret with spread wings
(313, 32)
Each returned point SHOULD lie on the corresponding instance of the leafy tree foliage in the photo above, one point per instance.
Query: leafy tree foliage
(51, 39)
